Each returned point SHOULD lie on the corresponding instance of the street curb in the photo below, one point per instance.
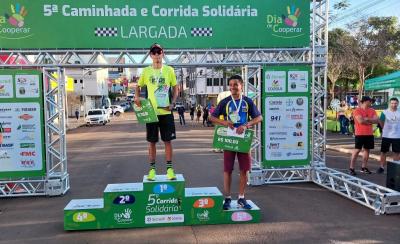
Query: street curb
(350, 151)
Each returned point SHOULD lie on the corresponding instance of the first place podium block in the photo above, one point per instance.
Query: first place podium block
(165, 201)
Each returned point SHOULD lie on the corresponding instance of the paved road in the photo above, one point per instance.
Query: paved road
(115, 153)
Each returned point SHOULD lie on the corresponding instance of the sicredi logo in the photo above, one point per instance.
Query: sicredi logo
(286, 25)
(13, 23)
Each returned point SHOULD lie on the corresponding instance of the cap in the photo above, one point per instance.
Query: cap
(156, 45)
(365, 99)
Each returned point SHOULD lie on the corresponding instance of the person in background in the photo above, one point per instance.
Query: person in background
(205, 116)
(181, 112)
(198, 113)
(343, 120)
(77, 114)
(364, 117)
(390, 123)
(192, 112)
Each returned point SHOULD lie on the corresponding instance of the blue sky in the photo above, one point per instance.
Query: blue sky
(365, 8)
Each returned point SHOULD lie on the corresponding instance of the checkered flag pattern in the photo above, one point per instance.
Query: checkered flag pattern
(206, 31)
(105, 31)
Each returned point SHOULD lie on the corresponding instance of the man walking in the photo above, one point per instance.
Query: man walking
(77, 114)
(390, 123)
(181, 112)
(364, 117)
(240, 113)
(158, 79)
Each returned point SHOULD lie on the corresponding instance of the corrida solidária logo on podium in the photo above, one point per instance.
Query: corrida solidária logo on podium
(13, 24)
(288, 24)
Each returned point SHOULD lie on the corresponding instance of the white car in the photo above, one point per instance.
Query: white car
(96, 117)
(117, 110)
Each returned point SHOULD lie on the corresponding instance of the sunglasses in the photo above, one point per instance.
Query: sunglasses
(155, 51)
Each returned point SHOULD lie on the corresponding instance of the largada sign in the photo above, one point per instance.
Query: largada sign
(136, 24)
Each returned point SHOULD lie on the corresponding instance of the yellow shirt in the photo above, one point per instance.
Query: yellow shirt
(156, 80)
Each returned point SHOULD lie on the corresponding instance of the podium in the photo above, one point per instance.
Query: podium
(161, 202)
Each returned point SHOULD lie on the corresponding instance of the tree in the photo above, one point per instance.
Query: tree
(375, 40)
(337, 58)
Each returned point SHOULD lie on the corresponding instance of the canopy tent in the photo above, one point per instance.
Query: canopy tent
(391, 80)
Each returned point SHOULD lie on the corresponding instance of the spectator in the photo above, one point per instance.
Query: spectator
(364, 117)
(343, 120)
(205, 116)
(198, 113)
(192, 112)
(77, 114)
(181, 112)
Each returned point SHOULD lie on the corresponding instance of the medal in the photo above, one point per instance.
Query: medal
(235, 115)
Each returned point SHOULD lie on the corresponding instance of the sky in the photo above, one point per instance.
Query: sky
(364, 8)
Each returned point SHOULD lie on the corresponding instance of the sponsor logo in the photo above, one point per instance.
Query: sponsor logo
(28, 154)
(7, 145)
(27, 163)
(125, 217)
(5, 110)
(3, 91)
(163, 219)
(274, 109)
(300, 144)
(289, 102)
(204, 216)
(6, 130)
(155, 204)
(276, 154)
(294, 154)
(285, 25)
(163, 189)
(273, 145)
(204, 203)
(275, 118)
(124, 200)
(299, 125)
(29, 137)
(295, 116)
(28, 109)
(300, 133)
(27, 145)
(278, 103)
(277, 138)
(293, 110)
(83, 217)
(299, 101)
(27, 127)
(12, 24)
(277, 133)
(25, 117)
(241, 216)
(4, 155)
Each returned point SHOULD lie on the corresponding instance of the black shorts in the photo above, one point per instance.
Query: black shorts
(386, 142)
(366, 142)
(165, 124)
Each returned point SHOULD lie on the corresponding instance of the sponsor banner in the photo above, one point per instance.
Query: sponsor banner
(145, 114)
(164, 219)
(21, 119)
(232, 143)
(138, 24)
(286, 137)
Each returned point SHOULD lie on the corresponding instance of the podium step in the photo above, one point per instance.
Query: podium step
(84, 214)
(203, 205)
(238, 215)
(164, 203)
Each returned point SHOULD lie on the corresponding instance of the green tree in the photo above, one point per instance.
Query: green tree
(375, 40)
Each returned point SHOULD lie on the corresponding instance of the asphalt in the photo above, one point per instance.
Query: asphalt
(117, 153)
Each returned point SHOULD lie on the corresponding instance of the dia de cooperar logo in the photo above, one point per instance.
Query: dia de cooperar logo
(286, 25)
(17, 16)
(13, 23)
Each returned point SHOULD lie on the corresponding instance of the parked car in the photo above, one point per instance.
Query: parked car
(96, 117)
(117, 110)
(130, 97)
(126, 106)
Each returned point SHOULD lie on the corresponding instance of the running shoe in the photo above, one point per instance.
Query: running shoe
(243, 203)
(171, 174)
(227, 204)
(366, 171)
(380, 170)
(152, 175)
(352, 172)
